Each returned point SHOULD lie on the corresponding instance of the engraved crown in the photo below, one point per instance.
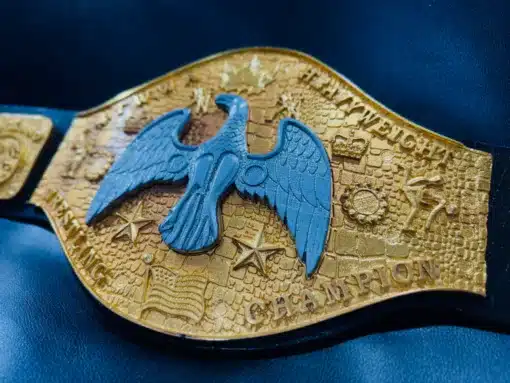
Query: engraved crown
(353, 146)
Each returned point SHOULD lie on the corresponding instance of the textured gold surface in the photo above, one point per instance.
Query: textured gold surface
(409, 206)
(22, 138)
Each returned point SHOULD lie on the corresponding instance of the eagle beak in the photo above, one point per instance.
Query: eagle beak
(227, 101)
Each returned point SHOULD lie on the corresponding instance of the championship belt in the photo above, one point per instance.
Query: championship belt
(257, 198)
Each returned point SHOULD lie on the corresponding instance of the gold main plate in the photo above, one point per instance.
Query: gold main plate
(409, 207)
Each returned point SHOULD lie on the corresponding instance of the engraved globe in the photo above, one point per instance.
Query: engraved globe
(364, 204)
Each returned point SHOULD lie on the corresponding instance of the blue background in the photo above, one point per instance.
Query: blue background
(443, 64)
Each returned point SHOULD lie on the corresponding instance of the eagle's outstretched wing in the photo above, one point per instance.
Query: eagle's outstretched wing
(155, 155)
(295, 178)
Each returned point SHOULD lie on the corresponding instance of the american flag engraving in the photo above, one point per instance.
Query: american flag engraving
(176, 295)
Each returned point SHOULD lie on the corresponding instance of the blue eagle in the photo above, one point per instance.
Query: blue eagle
(294, 178)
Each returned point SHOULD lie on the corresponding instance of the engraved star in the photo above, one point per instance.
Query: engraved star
(132, 225)
(255, 255)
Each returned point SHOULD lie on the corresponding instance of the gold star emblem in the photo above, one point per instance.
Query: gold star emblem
(132, 225)
(255, 255)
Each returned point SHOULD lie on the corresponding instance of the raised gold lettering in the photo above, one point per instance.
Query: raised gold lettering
(331, 90)
(253, 312)
(381, 129)
(77, 242)
(67, 218)
(381, 274)
(427, 268)
(368, 119)
(363, 280)
(336, 291)
(446, 157)
(408, 141)
(395, 134)
(73, 229)
(83, 253)
(61, 208)
(98, 271)
(281, 307)
(90, 261)
(341, 99)
(402, 272)
(50, 196)
(309, 74)
(319, 82)
(308, 301)
(142, 98)
(427, 149)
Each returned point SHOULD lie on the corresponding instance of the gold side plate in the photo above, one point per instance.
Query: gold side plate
(22, 138)
(409, 207)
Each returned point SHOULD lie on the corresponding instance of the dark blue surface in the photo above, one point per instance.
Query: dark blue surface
(444, 64)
